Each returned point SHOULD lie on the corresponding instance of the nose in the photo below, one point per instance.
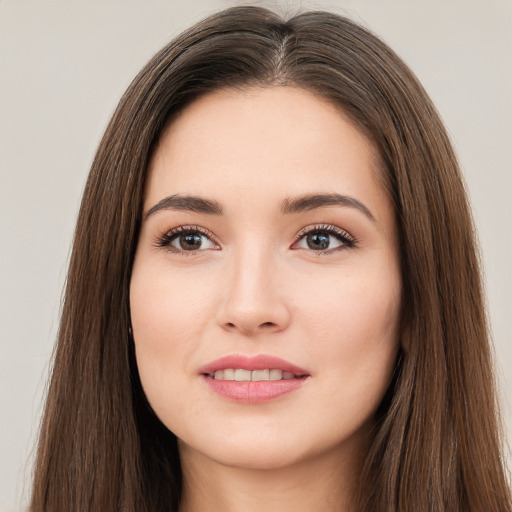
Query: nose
(253, 301)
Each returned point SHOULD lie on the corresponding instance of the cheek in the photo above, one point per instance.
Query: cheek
(354, 331)
(166, 305)
(356, 306)
(168, 314)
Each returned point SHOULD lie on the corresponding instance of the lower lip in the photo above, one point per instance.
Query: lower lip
(253, 392)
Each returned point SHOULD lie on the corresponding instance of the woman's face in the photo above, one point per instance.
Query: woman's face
(268, 255)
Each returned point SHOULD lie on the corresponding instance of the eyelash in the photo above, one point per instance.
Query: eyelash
(348, 241)
(165, 241)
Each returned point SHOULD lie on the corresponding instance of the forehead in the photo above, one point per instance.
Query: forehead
(272, 140)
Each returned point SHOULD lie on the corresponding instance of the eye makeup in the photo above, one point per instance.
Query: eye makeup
(323, 239)
(187, 240)
(319, 239)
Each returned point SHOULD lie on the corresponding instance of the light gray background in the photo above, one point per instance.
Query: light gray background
(63, 67)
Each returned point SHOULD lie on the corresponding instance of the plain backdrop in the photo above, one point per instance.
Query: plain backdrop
(65, 64)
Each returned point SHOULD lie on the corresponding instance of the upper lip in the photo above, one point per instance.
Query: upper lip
(259, 362)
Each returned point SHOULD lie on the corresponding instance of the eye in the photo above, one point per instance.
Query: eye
(323, 239)
(185, 239)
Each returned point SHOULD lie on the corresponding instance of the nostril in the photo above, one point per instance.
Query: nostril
(263, 326)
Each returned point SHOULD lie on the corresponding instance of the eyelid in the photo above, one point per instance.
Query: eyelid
(164, 240)
(344, 236)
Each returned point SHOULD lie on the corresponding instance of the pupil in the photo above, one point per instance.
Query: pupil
(318, 241)
(190, 241)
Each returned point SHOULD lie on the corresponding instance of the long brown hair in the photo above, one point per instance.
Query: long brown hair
(436, 445)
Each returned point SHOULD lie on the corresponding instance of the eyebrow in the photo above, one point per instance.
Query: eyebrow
(186, 203)
(289, 205)
(313, 201)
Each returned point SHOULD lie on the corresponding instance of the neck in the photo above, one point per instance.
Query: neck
(325, 483)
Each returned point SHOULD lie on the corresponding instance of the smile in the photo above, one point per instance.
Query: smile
(253, 379)
(241, 375)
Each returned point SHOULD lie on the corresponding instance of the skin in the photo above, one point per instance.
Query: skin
(255, 287)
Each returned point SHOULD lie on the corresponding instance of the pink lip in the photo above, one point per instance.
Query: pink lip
(259, 362)
(258, 391)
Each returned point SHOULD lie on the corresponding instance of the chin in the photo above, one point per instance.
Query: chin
(272, 449)
(254, 456)
(258, 448)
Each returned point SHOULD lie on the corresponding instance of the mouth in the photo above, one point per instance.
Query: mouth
(244, 375)
(253, 379)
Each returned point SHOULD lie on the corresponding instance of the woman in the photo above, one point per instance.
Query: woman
(273, 298)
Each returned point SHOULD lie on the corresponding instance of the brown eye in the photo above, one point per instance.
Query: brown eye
(324, 239)
(186, 240)
(318, 241)
(190, 241)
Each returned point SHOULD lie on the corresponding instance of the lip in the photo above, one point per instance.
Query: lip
(259, 362)
(253, 392)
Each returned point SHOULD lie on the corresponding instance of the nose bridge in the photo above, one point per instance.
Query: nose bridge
(253, 300)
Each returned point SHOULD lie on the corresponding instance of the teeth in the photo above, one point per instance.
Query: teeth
(242, 375)
(275, 375)
(260, 375)
(229, 374)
